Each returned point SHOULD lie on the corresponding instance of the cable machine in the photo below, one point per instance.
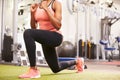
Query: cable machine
(73, 8)
(106, 24)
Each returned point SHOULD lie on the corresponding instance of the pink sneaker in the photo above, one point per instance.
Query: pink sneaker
(32, 73)
(80, 65)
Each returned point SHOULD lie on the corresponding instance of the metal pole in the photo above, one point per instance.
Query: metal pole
(85, 34)
(1, 12)
(77, 34)
(15, 11)
(77, 27)
(2, 24)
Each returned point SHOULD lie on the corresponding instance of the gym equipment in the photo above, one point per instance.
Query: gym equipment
(106, 34)
(7, 55)
(93, 51)
(65, 59)
(115, 47)
(88, 49)
(73, 7)
(103, 42)
(110, 55)
(66, 49)
(81, 48)
(16, 56)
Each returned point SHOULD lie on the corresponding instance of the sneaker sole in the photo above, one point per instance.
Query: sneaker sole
(36, 76)
(30, 77)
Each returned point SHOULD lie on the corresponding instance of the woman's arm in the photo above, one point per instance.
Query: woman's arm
(57, 17)
(32, 10)
(32, 22)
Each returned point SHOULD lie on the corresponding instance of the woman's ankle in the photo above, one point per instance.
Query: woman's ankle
(33, 67)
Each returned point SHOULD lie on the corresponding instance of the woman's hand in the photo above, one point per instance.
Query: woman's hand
(43, 5)
(33, 7)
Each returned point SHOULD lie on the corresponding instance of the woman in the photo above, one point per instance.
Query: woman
(48, 14)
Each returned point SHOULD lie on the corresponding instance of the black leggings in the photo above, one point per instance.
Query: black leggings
(49, 40)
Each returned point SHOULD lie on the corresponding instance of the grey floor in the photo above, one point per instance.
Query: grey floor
(113, 66)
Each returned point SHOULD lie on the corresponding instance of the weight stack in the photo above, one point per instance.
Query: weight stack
(7, 54)
(81, 48)
(93, 50)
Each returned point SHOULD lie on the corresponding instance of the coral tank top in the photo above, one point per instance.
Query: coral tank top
(43, 19)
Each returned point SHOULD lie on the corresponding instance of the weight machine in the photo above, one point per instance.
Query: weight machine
(108, 47)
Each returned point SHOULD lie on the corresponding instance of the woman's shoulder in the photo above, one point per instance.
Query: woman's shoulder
(58, 1)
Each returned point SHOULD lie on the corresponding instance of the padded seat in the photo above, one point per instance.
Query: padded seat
(65, 58)
(118, 39)
(110, 48)
(103, 42)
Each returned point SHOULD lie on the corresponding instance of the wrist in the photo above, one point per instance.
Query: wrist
(46, 8)
(32, 13)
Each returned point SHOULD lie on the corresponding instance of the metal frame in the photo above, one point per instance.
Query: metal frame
(2, 24)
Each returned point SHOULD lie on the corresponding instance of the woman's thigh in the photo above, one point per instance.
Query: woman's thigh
(45, 37)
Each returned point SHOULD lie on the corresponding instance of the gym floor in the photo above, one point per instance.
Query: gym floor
(113, 66)
(96, 70)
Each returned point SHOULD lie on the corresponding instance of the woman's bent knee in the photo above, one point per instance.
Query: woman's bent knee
(26, 33)
(55, 70)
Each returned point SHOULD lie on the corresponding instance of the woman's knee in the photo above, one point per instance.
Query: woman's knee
(55, 70)
(26, 33)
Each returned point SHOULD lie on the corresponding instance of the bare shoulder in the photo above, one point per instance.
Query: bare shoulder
(57, 2)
